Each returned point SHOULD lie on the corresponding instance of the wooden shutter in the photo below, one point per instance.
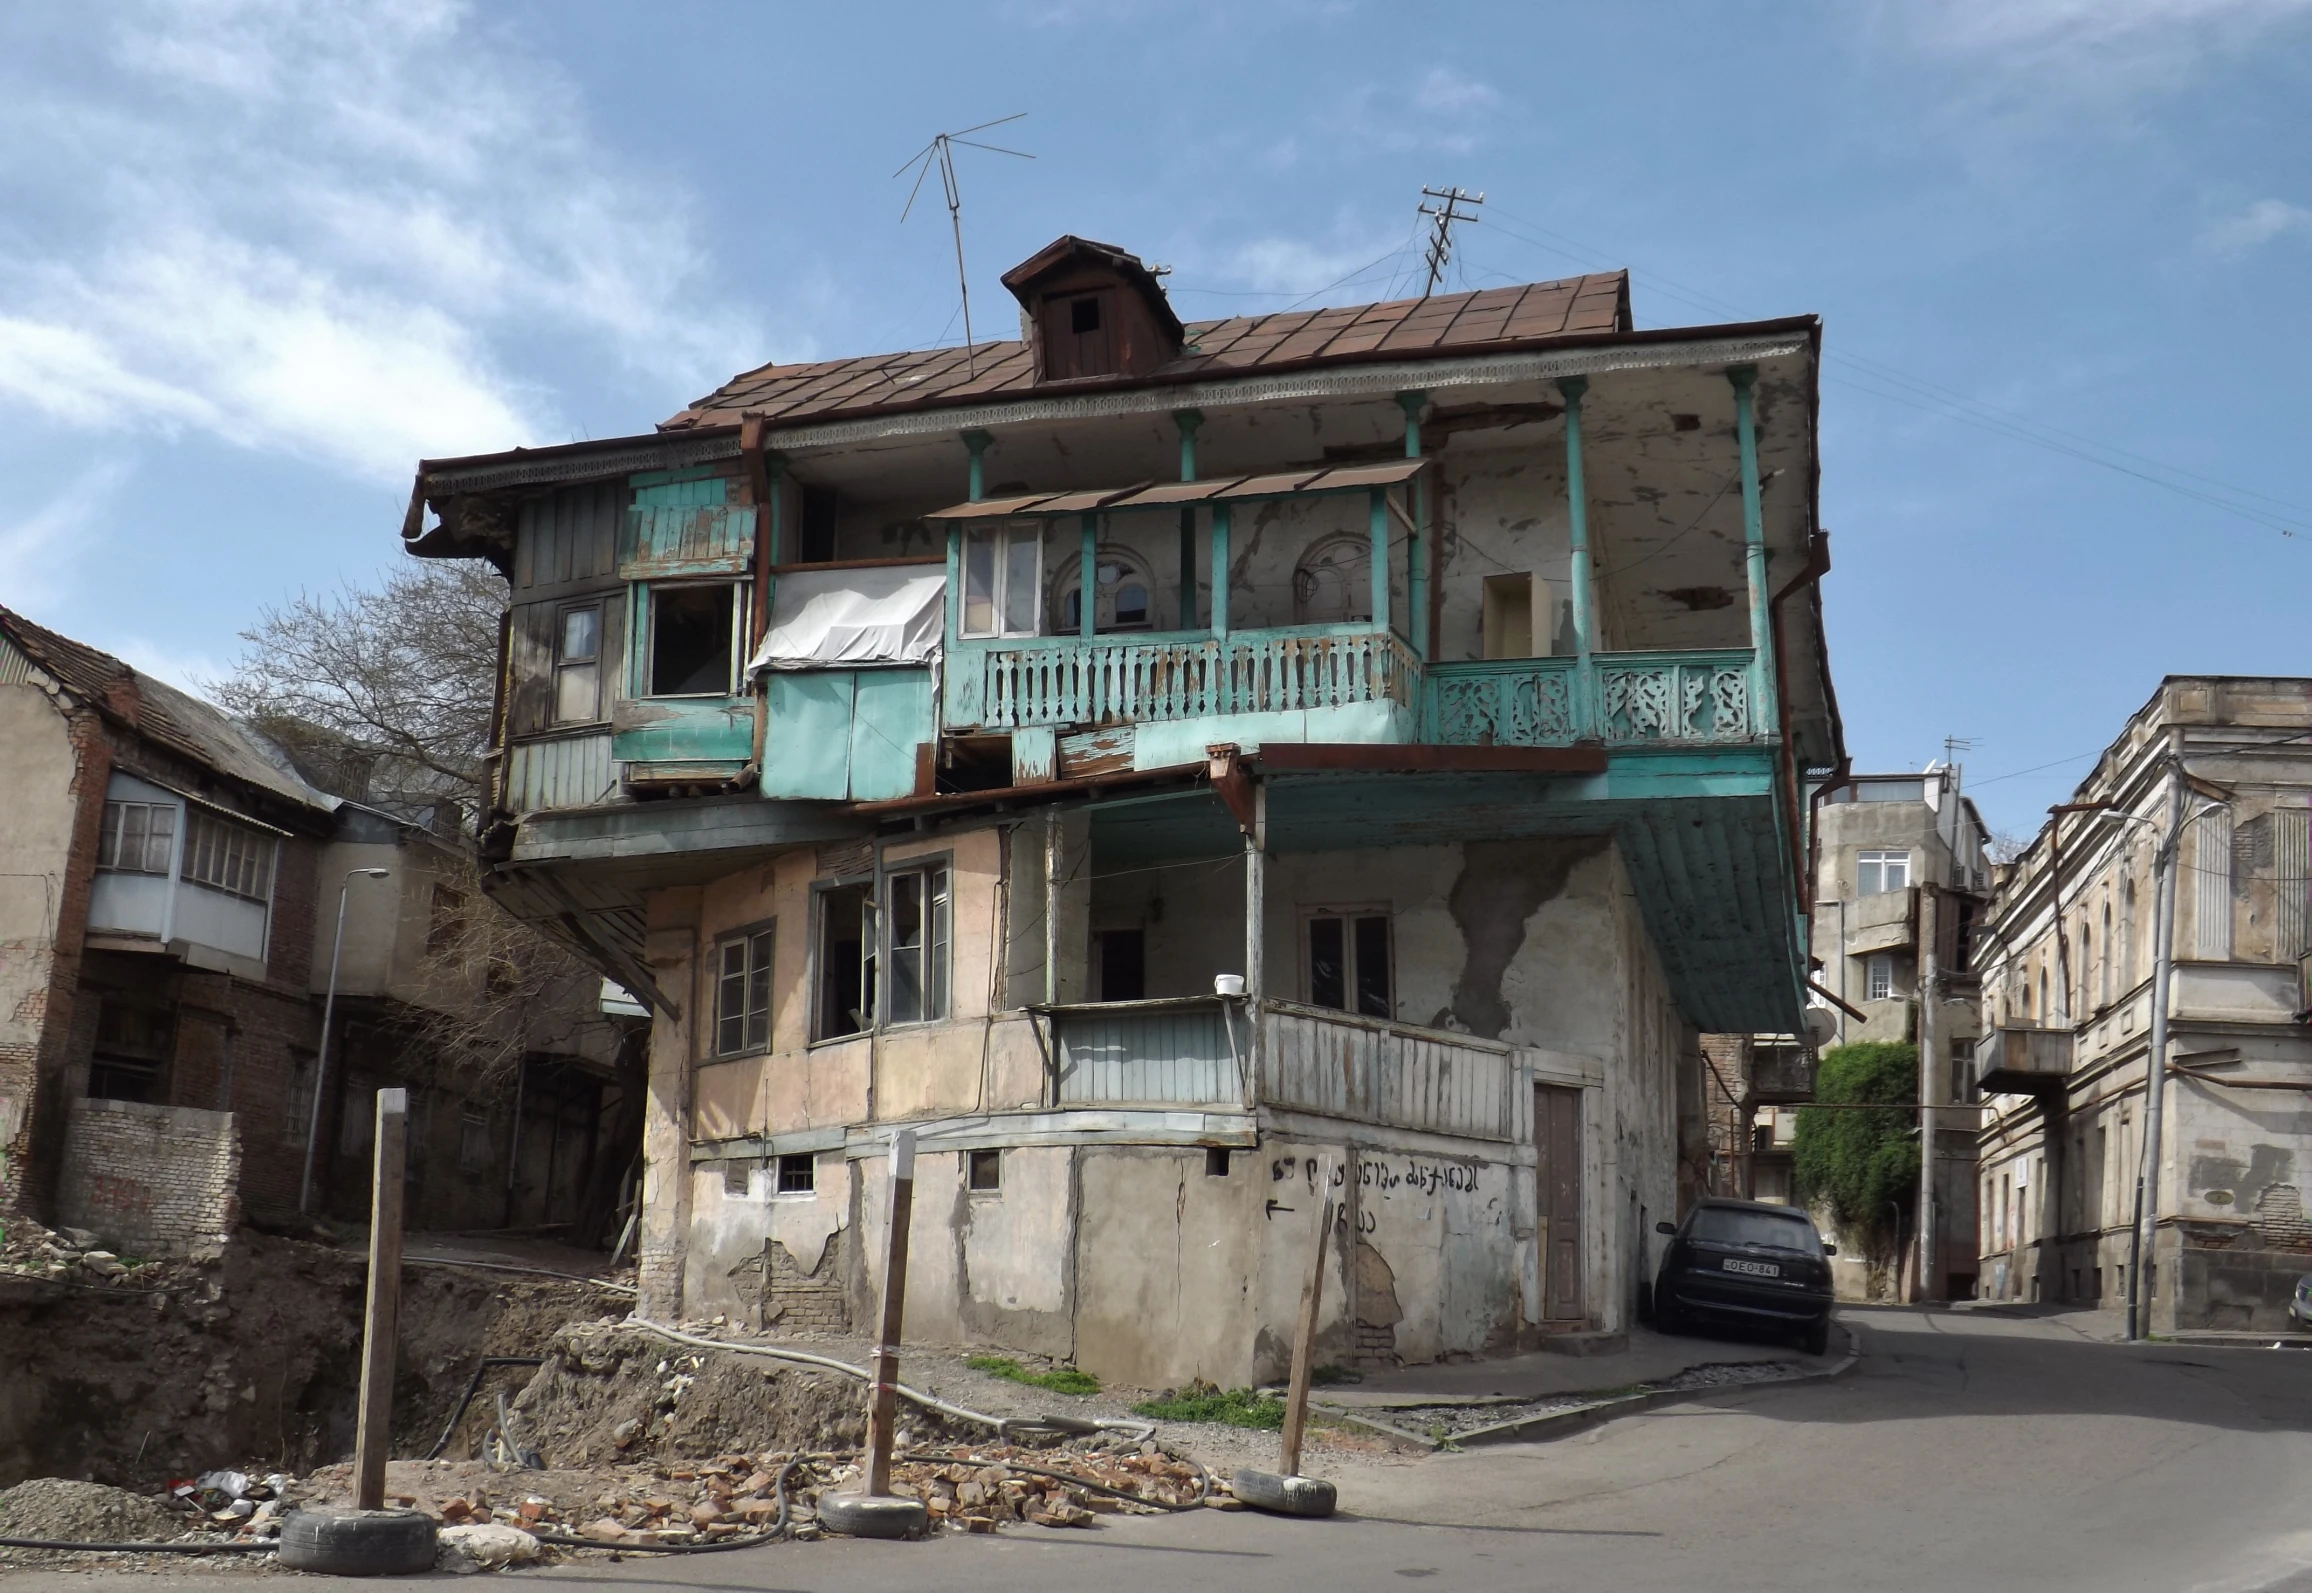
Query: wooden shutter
(530, 707)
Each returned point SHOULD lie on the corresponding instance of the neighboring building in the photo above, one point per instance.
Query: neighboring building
(2068, 949)
(1163, 763)
(168, 899)
(1902, 867)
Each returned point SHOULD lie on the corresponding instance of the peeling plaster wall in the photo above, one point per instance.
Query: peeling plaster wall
(36, 781)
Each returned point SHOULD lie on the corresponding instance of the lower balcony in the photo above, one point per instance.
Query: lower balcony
(2016, 1061)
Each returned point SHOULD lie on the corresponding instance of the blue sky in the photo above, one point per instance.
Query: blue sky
(256, 257)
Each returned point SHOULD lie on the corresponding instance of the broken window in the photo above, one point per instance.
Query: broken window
(1002, 575)
(139, 837)
(1079, 335)
(694, 641)
(1123, 964)
(132, 1042)
(846, 974)
(1877, 872)
(227, 857)
(578, 665)
(920, 915)
(742, 1009)
(1348, 963)
(983, 1172)
(798, 1174)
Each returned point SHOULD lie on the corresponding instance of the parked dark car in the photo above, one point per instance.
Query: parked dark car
(1746, 1263)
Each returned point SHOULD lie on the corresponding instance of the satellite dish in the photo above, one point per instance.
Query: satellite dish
(1821, 1026)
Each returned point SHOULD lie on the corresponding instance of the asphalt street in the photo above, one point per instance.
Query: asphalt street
(1966, 1450)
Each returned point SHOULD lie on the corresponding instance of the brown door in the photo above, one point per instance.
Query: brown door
(1557, 1136)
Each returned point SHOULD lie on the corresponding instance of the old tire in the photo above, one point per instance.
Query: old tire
(1284, 1496)
(866, 1515)
(358, 1542)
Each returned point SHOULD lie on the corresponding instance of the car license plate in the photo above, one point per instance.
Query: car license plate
(1756, 1269)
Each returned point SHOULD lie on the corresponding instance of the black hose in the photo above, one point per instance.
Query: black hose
(473, 1388)
(259, 1547)
(564, 1540)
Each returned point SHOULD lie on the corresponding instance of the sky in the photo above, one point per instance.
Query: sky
(258, 257)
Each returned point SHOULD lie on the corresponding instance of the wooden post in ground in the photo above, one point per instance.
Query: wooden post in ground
(882, 1400)
(382, 1318)
(1304, 1344)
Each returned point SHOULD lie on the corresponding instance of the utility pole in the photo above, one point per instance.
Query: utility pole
(328, 1016)
(1442, 215)
(2142, 1251)
(381, 1320)
(1930, 1035)
(882, 1397)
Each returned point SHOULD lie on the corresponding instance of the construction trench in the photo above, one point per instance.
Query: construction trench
(199, 1403)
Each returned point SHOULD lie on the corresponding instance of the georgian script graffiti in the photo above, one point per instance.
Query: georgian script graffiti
(1420, 1175)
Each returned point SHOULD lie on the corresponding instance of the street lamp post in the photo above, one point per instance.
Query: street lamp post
(328, 1013)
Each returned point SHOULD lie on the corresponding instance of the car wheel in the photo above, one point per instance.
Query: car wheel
(1816, 1339)
(358, 1542)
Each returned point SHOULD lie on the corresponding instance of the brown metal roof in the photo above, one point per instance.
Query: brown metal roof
(1346, 478)
(1453, 323)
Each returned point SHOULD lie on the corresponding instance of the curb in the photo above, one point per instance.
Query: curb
(1548, 1425)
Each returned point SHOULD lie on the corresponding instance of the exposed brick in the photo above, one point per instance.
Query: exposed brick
(150, 1180)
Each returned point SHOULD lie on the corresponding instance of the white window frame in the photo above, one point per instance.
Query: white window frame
(743, 997)
(933, 953)
(566, 666)
(1349, 918)
(1882, 861)
(999, 537)
(115, 832)
(803, 1187)
(243, 858)
(1878, 969)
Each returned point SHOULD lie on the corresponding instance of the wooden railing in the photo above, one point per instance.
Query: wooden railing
(1064, 680)
(1376, 1071)
(1623, 699)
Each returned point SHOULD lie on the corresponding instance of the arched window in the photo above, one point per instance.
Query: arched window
(2103, 963)
(2044, 1011)
(1124, 597)
(2086, 969)
(1333, 583)
(2127, 934)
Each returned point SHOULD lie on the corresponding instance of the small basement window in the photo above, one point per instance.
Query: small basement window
(983, 1173)
(693, 641)
(1216, 1161)
(798, 1174)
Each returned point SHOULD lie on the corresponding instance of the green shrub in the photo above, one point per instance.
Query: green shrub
(1863, 1166)
(1202, 1402)
(1059, 1380)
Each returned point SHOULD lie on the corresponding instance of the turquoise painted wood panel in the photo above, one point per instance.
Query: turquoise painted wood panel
(685, 524)
(1177, 1054)
(807, 743)
(684, 730)
(891, 717)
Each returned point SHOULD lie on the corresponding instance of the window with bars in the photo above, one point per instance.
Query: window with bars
(224, 856)
(1349, 957)
(798, 1173)
(742, 1006)
(139, 837)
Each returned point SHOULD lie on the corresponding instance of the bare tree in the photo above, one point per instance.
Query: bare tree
(387, 690)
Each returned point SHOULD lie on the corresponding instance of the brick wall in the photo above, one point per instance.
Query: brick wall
(150, 1180)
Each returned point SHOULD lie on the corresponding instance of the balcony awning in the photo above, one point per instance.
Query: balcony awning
(845, 618)
(1170, 494)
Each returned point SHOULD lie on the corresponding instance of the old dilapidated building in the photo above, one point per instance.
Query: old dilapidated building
(1187, 772)
(2219, 767)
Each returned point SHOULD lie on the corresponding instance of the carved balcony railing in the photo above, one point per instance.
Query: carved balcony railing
(1625, 699)
(1065, 680)
(1674, 697)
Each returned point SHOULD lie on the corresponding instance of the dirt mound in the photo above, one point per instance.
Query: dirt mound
(607, 1395)
(84, 1512)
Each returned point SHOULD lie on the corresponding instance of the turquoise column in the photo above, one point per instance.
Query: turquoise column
(1088, 579)
(1417, 540)
(1378, 529)
(1220, 528)
(977, 442)
(1577, 534)
(1764, 716)
(1188, 420)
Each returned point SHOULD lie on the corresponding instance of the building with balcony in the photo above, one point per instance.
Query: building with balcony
(1188, 772)
(169, 894)
(2069, 948)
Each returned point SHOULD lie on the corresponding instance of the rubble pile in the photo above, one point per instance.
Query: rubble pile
(31, 1252)
(84, 1512)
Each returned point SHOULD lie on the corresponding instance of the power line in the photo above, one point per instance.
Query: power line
(1442, 215)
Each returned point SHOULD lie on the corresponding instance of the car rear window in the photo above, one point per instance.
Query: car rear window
(1728, 1226)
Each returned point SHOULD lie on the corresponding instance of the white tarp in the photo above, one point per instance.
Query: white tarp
(834, 619)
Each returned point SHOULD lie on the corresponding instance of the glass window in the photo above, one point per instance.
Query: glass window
(846, 974)
(743, 994)
(1121, 599)
(138, 838)
(919, 936)
(798, 1174)
(1002, 567)
(693, 641)
(578, 665)
(1733, 1225)
(224, 856)
(983, 1174)
(1879, 978)
(1877, 872)
(297, 1102)
(1349, 958)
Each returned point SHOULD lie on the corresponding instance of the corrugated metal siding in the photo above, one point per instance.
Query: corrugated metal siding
(568, 772)
(571, 536)
(2212, 900)
(15, 668)
(1388, 1075)
(1170, 1054)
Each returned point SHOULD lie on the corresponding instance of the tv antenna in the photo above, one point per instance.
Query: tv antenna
(1441, 216)
(940, 152)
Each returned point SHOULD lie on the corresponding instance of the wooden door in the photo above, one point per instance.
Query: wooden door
(1557, 1136)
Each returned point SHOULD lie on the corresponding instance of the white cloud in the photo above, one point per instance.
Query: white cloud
(1445, 92)
(2115, 41)
(316, 230)
(2258, 224)
(38, 551)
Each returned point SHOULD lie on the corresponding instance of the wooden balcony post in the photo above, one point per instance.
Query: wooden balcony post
(1417, 541)
(1187, 420)
(1220, 529)
(1088, 579)
(1763, 716)
(976, 443)
(1379, 530)
(1577, 532)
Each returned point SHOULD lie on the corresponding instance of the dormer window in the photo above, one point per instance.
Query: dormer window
(1079, 335)
(1093, 310)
